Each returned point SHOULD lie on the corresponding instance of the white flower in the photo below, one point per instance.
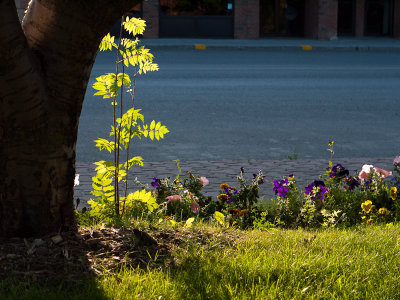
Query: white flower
(76, 181)
(367, 168)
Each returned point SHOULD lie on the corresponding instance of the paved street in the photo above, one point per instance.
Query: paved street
(254, 104)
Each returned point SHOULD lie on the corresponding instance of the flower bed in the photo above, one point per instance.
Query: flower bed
(336, 198)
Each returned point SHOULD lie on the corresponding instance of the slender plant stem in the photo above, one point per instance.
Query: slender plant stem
(116, 140)
(130, 134)
(119, 127)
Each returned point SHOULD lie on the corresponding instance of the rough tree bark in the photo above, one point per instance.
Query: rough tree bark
(45, 66)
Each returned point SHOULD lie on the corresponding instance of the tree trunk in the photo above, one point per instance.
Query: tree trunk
(44, 70)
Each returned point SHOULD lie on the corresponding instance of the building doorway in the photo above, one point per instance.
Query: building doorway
(379, 17)
(346, 17)
(282, 18)
(196, 19)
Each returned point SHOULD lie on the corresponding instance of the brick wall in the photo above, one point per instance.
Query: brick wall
(320, 19)
(246, 19)
(311, 19)
(151, 16)
(327, 19)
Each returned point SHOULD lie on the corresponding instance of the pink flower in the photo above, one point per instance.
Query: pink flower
(204, 181)
(383, 173)
(396, 160)
(195, 207)
(76, 181)
(173, 198)
(365, 171)
(368, 169)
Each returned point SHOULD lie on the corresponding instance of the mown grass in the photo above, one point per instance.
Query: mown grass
(356, 263)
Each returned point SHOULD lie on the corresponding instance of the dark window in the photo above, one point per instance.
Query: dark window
(379, 17)
(196, 7)
(282, 17)
(346, 9)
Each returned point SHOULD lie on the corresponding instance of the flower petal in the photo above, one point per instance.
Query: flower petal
(195, 207)
(173, 198)
(204, 181)
(382, 172)
(76, 181)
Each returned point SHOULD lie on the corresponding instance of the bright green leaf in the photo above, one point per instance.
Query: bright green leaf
(220, 218)
(188, 222)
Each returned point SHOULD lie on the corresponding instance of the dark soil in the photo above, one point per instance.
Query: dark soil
(69, 257)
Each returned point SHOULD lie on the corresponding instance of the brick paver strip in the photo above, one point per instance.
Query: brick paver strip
(226, 172)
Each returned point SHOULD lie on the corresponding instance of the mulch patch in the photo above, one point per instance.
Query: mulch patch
(71, 256)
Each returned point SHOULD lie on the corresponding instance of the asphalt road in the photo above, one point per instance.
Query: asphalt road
(257, 104)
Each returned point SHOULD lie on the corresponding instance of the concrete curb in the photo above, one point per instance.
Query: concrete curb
(277, 45)
(279, 48)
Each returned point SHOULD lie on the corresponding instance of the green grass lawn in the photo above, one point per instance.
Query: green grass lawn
(356, 263)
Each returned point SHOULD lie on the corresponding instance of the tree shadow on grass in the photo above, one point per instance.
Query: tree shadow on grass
(69, 265)
(53, 266)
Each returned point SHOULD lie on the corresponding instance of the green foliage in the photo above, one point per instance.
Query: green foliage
(261, 222)
(107, 43)
(239, 204)
(154, 131)
(134, 26)
(112, 201)
(138, 57)
(220, 218)
(144, 199)
(104, 192)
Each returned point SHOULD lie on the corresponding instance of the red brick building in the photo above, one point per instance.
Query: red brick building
(253, 19)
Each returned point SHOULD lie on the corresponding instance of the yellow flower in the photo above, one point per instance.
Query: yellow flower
(370, 221)
(367, 206)
(223, 186)
(383, 211)
(363, 217)
(223, 197)
(393, 193)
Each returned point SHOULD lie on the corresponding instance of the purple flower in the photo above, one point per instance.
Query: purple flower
(395, 182)
(352, 182)
(367, 183)
(309, 190)
(396, 160)
(155, 183)
(231, 191)
(281, 187)
(338, 171)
